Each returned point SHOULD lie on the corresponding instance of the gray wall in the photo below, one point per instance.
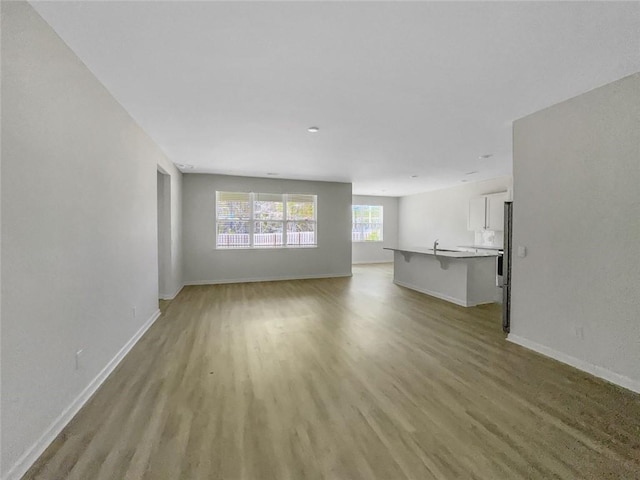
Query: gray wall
(577, 211)
(372, 252)
(170, 233)
(204, 264)
(164, 229)
(442, 214)
(78, 233)
(175, 280)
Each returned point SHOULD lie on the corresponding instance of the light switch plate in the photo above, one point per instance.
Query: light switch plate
(522, 251)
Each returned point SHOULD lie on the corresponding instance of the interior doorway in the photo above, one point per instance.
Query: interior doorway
(164, 234)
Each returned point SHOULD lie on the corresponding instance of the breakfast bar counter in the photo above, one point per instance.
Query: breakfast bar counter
(463, 278)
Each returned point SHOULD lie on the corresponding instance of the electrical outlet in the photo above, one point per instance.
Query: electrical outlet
(579, 331)
(78, 358)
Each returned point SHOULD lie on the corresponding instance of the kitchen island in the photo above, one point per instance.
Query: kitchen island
(463, 278)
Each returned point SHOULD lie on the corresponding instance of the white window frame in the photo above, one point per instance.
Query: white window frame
(285, 223)
(381, 239)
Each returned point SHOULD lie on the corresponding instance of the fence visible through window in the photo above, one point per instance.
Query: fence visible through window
(263, 220)
(238, 240)
(366, 223)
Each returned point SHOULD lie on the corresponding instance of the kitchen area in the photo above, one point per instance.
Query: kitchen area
(467, 261)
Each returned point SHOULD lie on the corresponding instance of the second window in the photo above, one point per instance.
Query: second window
(367, 223)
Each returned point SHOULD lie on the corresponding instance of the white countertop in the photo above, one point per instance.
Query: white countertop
(481, 247)
(442, 253)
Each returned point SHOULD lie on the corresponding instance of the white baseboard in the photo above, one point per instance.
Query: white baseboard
(369, 262)
(29, 457)
(267, 279)
(441, 296)
(600, 372)
(164, 296)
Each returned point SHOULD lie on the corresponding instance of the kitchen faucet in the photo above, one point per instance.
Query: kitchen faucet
(435, 245)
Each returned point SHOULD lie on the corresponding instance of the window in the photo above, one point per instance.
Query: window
(366, 223)
(263, 220)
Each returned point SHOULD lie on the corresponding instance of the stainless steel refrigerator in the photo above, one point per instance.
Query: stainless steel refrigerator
(506, 267)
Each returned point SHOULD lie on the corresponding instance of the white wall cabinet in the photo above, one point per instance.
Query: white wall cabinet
(487, 212)
(477, 214)
(495, 211)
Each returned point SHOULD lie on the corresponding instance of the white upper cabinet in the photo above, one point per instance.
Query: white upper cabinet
(477, 214)
(487, 212)
(495, 211)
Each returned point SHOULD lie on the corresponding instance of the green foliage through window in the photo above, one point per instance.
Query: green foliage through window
(261, 220)
(367, 223)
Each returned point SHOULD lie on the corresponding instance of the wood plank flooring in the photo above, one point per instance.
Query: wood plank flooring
(351, 378)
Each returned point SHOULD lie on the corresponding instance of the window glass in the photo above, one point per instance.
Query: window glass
(233, 218)
(367, 223)
(263, 220)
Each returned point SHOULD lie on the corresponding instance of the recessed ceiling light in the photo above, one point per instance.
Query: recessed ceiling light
(272, 174)
(185, 166)
(415, 176)
(313, 129)
(471, 172)
(485, 156)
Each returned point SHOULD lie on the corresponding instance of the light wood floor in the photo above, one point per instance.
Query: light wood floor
(342, 379)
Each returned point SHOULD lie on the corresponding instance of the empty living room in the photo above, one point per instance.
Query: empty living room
(339, 240)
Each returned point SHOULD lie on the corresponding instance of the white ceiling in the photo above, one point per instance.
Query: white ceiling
(397, 89)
